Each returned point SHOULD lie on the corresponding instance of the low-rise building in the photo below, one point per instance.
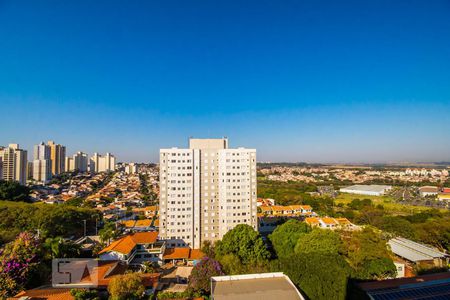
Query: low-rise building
(369, 190)
(135, 248)
(183, 255)
(417, 254)
(444, 196)
(425, 191)
(265, 202)
(287, 210)
(331, 223)
(264, 286)
(138, 225)
(431, 286)
(97, 275)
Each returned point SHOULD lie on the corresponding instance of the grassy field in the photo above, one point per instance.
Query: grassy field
(386, 201)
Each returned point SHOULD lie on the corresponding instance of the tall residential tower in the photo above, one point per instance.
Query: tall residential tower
(13, 163)
(99, 163)
(42, 163)
(206, 191)
(58, 157)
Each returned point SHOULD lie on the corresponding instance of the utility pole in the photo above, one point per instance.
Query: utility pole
(84, 221)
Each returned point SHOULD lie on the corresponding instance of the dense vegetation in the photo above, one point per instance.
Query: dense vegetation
(31, 235)
(49, 220)
(320, 262)
(344, 257)
(341, 256)
(429, 226)
(13, 191)
(288, 193)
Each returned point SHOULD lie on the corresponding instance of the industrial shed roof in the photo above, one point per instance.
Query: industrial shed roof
(413, 251)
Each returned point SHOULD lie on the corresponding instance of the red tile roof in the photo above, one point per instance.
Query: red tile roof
(45, 293)
(183, 253)
(126, 244)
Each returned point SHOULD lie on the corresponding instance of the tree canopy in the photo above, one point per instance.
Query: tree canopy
(244, 242)
(14, 191)
(368, 255)
(319, 241)
(319, 275)
(50, 220)
(126, 286)
(285, 237)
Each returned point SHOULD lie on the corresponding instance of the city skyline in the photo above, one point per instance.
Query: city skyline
(72, 153)
(301, 82)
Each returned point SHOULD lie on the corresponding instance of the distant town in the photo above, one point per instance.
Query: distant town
(208, 217)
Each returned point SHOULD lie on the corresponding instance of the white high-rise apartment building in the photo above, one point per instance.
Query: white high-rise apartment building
(14, 163)
(100, 163)
(80, 161)
(205, 191)
(42, 163)
(1, 162)
(131, 168)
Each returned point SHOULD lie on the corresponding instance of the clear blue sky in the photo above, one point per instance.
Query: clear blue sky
(315, 81)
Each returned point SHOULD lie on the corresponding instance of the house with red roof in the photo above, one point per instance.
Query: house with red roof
(134, 249)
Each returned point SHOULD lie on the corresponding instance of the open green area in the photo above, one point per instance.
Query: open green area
(285, 192)
(388, 203)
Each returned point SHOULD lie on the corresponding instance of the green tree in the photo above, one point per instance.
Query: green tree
(80, 294)
(149, 267)
(244, 242)
(358, 204)
(209, 249)
(319, 241)
(397, 226)
(74, 202)
(368, 255)
(321, 276)
(108, 232)
(50, 220)
(14, 191)
(285, 237)
(59, 248)
(232, 265)
(435, 232)
(126, 287)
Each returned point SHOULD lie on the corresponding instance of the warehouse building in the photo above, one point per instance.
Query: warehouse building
(369, 190)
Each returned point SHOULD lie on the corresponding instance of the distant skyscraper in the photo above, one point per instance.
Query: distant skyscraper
(80, 161)
(100, 163)
(42, 163)
(58, 157)
(14, 163)
(1, 163)
(70, 164)
(131, 168)
(206, 191)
